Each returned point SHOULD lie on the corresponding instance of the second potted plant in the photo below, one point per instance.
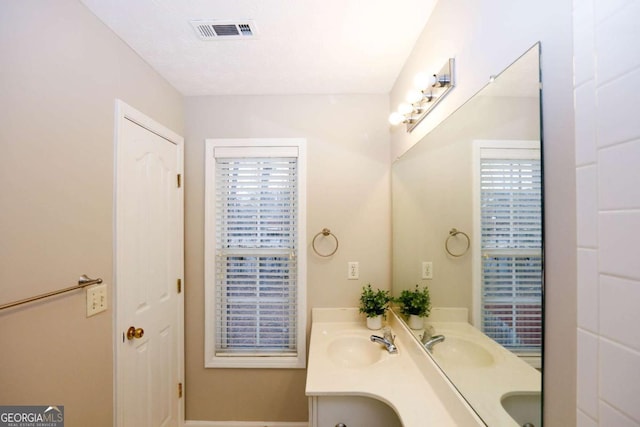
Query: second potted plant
(374, 305)
(416, 305)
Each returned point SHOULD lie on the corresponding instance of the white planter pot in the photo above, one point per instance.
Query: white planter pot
(416, 322)
(374, 323)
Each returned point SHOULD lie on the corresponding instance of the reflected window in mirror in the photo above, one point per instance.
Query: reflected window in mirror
(508, 220)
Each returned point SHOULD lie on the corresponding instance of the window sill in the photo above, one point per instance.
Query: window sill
(275, 362)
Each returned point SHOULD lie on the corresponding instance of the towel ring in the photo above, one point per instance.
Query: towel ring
(325, 232)
(454, 232)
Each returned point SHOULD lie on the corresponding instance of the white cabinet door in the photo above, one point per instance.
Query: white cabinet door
(352, 411)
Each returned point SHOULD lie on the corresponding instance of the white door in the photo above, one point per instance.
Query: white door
(149, 264)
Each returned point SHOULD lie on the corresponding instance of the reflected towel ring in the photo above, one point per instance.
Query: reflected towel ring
(454, 232)
(325, 232)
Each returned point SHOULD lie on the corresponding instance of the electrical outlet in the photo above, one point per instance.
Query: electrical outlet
(427, 270)
(96, 299)
(354, 270)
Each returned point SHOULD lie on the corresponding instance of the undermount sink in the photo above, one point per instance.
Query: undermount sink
(524, 407)
(354, 351)
(461, 352)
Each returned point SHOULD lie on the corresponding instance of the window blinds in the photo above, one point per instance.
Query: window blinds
(256, 265)
(511, 224)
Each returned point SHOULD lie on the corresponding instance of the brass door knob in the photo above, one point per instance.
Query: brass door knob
(134, 332)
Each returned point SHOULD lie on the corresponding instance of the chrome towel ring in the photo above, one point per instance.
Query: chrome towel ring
(325, 232)
(453, 233)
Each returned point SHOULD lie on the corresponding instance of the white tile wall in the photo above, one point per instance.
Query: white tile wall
(588, 292)
(585, 421)
(587, 206)
(611, 417)
(607, 123)
(617, 43)
(620, 318)
(619, 237)
(606, 8)
(620, 377)
(617, 107)
(584, 40)
(588, 372)
(618, 175)
(585, 123)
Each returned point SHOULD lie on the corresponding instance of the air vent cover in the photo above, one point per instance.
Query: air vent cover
(224, 30)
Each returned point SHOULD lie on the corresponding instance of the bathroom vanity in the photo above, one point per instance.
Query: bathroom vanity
(356, 382)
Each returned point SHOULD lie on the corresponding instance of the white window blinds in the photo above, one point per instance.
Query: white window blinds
(511, 250)
(256, 207)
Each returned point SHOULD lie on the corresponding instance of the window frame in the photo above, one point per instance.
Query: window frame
(256, 147)
(533, 358)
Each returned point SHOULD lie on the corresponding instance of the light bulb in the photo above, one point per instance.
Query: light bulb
(396, 118)
(405, 109)
(423, 80)
(414, 96)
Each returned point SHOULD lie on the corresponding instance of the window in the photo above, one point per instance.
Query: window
(510, 223)
(255, 253)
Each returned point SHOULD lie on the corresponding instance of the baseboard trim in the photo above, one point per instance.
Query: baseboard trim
(244, 424)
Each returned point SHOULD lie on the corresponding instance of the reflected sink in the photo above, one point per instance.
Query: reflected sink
(461, 352)
(524, 407)
(354, 351)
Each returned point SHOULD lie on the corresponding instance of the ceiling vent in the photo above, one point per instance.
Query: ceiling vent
(224, 30)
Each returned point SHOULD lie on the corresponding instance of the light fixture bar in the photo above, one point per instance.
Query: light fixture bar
(429, 92)
(444, 83)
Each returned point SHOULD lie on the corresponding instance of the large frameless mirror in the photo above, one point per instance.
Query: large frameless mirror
(467, 224)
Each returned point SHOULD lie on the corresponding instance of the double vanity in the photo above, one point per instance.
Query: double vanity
(354, 381)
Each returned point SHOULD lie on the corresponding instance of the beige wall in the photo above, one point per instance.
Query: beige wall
(607, 84)
(432, 194)
(348, 192)
(61, 70)
(485, 37)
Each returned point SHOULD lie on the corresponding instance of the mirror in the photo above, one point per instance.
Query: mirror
(467, 210)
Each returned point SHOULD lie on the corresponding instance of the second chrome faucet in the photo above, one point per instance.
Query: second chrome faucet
(430, 341)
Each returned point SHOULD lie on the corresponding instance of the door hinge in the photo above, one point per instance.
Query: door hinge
(179, 390)
(179, 180)
(179, 285)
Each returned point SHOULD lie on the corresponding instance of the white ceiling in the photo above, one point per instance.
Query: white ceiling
(302, 47)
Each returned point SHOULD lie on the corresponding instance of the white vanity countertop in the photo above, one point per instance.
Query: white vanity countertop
(418, 396)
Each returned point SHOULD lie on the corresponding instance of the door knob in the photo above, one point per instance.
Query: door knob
(134, 332)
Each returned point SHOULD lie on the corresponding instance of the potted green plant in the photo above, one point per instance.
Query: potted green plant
(374, 304)
(416, 305)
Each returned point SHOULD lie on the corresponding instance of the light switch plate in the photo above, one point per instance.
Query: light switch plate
(427, 270)
(96, 299)
(354, 270)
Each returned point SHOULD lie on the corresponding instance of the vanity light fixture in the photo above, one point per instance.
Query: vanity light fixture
(428, 90)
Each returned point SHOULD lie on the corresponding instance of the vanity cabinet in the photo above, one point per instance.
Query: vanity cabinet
(350, 411)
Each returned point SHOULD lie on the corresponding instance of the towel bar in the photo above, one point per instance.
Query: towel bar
(83, 282)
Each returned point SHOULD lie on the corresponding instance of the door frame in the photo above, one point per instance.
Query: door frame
(124, 112)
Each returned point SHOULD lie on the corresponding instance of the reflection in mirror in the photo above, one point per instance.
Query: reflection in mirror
(467, 211)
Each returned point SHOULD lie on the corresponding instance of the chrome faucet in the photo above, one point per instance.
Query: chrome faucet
(431, 341)
(388, 340)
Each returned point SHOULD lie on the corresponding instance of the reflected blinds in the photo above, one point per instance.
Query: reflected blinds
(256, 264)
(511, 223)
